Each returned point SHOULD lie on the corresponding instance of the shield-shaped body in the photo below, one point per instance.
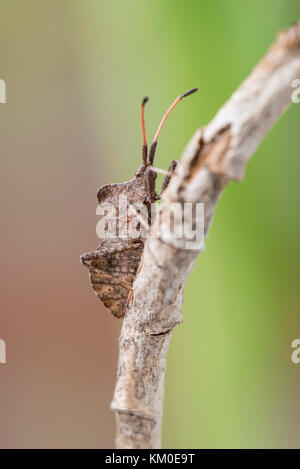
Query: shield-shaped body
(114, 263)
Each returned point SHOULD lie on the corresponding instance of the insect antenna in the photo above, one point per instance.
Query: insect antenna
(154, 143)
(145, 147)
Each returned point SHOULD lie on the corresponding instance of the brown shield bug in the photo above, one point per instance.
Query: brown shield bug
(114, 263)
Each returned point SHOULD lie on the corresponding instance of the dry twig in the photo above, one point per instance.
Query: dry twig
(216, 155)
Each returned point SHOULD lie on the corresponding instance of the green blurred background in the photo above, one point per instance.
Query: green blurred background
(75, 72)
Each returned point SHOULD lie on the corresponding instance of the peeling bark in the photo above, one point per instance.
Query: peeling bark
(216, 155)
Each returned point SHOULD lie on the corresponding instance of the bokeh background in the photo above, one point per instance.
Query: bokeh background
(76, 71)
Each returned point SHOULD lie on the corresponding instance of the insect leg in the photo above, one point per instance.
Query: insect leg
(167, 178)
(129, 298)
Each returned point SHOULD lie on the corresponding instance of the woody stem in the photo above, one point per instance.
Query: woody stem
(216, 155)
